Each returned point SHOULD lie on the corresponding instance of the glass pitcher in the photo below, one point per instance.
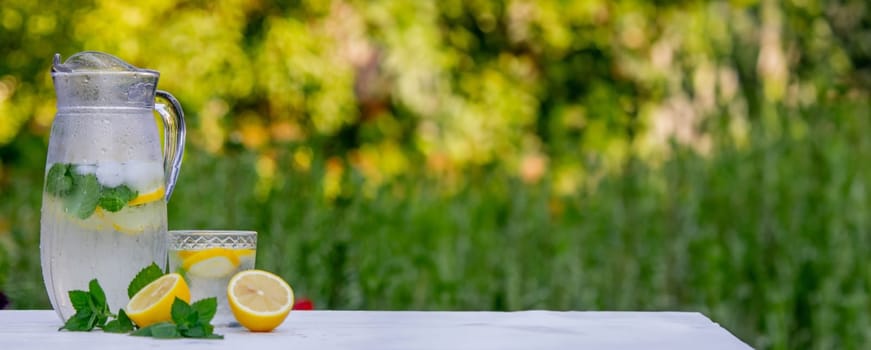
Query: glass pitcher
(107, 181)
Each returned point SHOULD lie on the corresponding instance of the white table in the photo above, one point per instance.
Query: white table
(33, 329)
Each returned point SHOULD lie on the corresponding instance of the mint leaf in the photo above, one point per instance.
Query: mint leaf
(97, 293)
(181, 311)
(80, 299)
(206, 309)
(198, 330)
(189, 321)
(165, 331)
(82, 321)
(143, 278)
(84, 196)
(57, 181)
(98, 303)
(120, 325)
(90, 306)
(114, 199)
(162, 330)
(143, 332)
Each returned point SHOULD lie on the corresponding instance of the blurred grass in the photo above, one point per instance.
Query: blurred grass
(768, 239)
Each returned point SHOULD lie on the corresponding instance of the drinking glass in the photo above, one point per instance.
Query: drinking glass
(208, 259)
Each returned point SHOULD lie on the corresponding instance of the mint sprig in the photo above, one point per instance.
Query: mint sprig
(188, 320)
(91, 309)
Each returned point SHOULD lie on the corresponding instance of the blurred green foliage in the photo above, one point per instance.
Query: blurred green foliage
(570, 155)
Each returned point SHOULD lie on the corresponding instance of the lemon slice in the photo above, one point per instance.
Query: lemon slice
(149, 197)
(132, 220)
(246, 257)
(211, 263)
(153, 303)
(260, 300)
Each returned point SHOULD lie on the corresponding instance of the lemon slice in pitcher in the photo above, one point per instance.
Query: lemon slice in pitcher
(211, 263)
(149, 197)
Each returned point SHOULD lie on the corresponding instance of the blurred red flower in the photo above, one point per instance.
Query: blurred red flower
(303, 304)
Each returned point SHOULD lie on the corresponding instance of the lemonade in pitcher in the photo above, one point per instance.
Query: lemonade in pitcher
(107, 181)
(110, 221)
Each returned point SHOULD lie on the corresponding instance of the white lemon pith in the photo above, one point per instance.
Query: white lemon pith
(153, 303)
(260, 300)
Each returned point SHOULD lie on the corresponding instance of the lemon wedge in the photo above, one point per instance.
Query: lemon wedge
(260, 300)
(211, 263)
(149, 197)
(153, 303)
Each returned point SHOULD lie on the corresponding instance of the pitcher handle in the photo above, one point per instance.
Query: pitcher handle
(173, 137)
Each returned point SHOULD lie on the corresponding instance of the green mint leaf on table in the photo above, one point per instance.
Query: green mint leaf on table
(122, 324)
(114, 199)
(192, 321)
(57, 181)
(85, 196)
(143, 278)
(206, 309)
(198, 330)
(165, 331)
(162, 330)
(97, 293)
(90, 306)
(181, 311)
(82, 321)
(98, 300)
(80, 299)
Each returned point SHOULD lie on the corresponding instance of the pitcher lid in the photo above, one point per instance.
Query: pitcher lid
(95, 79)
(94, 62)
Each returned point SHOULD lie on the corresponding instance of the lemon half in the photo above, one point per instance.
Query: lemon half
(153, 303)
(260, 300)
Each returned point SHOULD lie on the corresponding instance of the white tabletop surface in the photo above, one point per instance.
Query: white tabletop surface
(326, 330)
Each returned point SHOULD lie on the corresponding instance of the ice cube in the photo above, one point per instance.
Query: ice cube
(85, 169)
(110, 174)
(143, 176)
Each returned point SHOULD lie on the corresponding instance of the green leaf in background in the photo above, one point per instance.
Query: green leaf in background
(145, 276)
